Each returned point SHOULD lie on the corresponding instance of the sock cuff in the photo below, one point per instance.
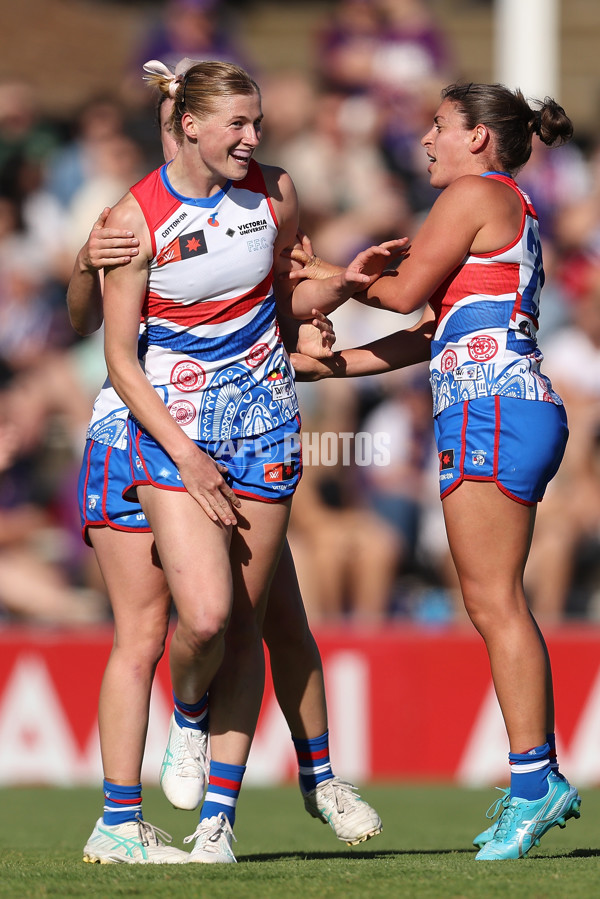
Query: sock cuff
(191, 708)
(311, 744)
(538, 753)
(112, 789)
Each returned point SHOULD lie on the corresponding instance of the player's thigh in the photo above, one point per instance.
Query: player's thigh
(194, 551)
(136, 584)
(489, 536)
(256, 547)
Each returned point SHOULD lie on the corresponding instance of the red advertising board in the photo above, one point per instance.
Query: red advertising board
(404, 703)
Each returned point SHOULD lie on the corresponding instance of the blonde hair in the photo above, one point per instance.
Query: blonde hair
(198, 88)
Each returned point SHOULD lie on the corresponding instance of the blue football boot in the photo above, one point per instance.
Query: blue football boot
(524, 822)
(486, 835)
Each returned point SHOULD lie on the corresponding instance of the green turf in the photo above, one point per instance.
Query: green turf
(424, 851)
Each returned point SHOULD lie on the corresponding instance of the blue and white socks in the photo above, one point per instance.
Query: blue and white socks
(193, 715)
(529, 772)
(224, 785)
(121, 803)
(314, 764)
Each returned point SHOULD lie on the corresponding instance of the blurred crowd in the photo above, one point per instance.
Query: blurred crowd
(366, 530)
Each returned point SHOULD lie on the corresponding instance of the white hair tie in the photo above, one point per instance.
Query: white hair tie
(155, 67)
(184, 64)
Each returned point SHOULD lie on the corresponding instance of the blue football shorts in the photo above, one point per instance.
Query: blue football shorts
(265, 467)
(105, 473)
(517, 444)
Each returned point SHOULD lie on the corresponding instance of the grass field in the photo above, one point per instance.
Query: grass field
(424, 851)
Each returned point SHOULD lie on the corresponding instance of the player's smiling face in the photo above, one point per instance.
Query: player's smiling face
(228, 138)
(447, 145)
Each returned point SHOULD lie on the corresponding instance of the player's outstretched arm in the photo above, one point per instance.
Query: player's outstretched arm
(397, 350)
(327, 294)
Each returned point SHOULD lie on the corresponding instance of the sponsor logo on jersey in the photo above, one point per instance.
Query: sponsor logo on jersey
(478, 457)
(275, 472)
(525, 327)
(184, 247)
(252, 227)
(280, 384)
(173, 224)
(467, 372)
(446, 459)
(213, 220)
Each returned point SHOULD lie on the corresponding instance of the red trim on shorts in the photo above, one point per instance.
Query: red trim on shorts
(261, 499)
(105, 481)
(496, 435)
(114, 527)
(463, 441)
(517, 499)
(105, 522)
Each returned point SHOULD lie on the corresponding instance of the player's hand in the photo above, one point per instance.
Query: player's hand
(302, 250)
(203, 479)
(316, 337)
(307, 368)
(108, 246)
(369, 264)
(302, 261)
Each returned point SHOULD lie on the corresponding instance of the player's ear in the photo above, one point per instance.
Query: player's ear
(189, 126)
(479, 137)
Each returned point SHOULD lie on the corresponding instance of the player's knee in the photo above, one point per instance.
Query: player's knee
(202, 631)
(487, 609)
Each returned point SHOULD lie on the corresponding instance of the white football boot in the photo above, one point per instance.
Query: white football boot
(213, 838)
(336, 802)
(183, 771)
(133, 843)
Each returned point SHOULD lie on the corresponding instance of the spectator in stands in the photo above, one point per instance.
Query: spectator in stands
(392, 53)
(348, 197)
(35, 582)
(26, 139)
(346, 45)
(569, 518)
(74, 162)
(346, 554)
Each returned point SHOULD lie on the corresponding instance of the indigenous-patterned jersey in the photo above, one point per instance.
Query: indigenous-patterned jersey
(213, 350)
(108, 424)
(209, 340)
(487, 320)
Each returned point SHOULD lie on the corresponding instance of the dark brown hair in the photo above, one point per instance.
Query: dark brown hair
(513, 121)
